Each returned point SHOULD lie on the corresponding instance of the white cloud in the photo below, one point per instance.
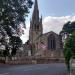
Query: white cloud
(50, 24)
(55, 23)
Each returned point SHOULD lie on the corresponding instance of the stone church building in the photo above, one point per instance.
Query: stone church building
(48, 44)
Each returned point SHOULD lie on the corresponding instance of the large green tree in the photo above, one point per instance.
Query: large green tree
(12, 14)
(69, 43)
(69, 48)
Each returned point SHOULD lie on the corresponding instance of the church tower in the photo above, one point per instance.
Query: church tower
(36, 28)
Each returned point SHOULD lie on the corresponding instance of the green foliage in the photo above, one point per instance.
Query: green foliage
(6, 52)
(16, 42)
(69, 49)
(12, 14)
(68, 27)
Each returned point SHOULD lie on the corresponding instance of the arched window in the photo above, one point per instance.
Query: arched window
(51, 42)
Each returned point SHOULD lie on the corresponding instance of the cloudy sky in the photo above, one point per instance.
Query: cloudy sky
(55, 13)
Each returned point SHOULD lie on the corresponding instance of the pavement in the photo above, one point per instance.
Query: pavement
(38, 69)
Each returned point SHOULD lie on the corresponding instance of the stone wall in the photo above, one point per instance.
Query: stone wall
(34, 60)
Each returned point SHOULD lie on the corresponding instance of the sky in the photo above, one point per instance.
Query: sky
(55, 13)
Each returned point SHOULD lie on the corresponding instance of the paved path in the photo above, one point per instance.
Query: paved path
(39, 69)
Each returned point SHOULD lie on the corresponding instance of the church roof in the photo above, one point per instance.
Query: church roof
(51, 32)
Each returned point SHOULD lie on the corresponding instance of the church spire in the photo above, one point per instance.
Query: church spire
(35, 24)
(35, 16)
(36, 4)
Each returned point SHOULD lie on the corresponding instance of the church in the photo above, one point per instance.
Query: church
(39, 44)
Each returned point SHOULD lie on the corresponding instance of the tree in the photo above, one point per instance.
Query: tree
(68, 27)
(13, 14)
(16, 42)
(69, 49)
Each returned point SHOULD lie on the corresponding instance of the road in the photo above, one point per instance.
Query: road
(39, 69)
